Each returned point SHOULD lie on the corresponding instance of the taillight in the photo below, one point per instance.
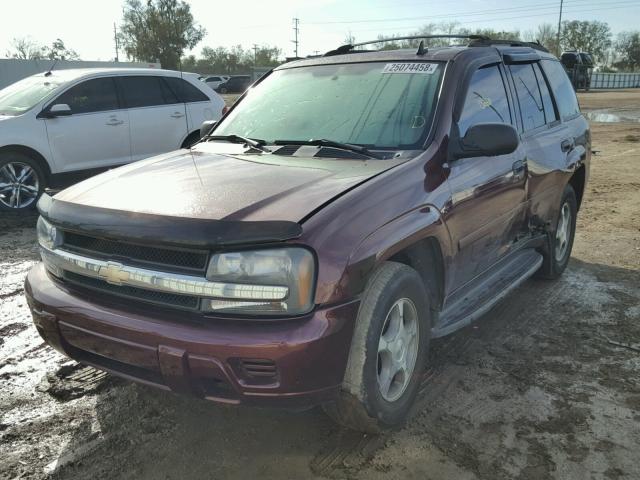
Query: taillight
(225, 109)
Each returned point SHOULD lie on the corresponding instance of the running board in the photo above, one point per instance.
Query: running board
(486, 290)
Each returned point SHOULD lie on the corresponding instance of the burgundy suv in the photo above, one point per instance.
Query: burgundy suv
(347, 210)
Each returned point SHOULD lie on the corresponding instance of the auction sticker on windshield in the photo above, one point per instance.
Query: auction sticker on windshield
(421, 67)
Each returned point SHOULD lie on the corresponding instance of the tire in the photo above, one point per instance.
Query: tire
(22, 181)
(556, 259)
(222, 90)
(363, 404)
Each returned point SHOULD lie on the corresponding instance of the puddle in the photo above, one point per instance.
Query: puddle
(609, 115)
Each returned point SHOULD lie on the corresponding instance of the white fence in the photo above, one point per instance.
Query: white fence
(13, 69)
(615, 80)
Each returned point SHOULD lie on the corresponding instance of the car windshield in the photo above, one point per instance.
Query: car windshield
(23, 95)
(380, 105)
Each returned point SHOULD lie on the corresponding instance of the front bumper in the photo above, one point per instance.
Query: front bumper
(289, 363)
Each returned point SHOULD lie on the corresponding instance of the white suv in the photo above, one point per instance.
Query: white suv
(55, 124)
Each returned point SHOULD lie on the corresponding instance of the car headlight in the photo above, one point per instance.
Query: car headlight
(48, 236)
(270, 281)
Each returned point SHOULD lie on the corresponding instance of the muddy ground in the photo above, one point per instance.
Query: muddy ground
(546, 385)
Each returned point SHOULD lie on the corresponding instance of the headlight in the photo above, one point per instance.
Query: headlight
(281, 281)
(48, 235)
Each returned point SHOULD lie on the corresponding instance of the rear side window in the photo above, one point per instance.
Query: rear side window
(547, 103)
(185, 91)
(145, 91)
(561, 88)
(96, 95)
(486, 100)
(529, 98)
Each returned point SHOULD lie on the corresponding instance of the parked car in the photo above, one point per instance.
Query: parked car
(346, 211)
(214, 81)
(57, 124)
(236, 84)
(579, 66)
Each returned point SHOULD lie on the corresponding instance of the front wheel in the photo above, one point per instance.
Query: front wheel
(22, 181)
(388, 352)
(561, 239)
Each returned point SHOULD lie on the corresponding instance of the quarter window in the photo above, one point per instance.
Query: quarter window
(562, 90)
(95, 95)
(486, 100)
(529, 98)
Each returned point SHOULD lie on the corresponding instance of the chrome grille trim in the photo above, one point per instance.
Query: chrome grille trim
(58, 261)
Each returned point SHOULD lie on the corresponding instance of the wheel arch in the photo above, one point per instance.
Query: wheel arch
(577, 182)
(31, 153)
(189, 136)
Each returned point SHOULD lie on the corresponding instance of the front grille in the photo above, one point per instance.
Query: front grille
(168, 258)
(150, 296)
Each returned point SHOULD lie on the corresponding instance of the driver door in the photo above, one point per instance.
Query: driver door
(487, 206)
(96, 134)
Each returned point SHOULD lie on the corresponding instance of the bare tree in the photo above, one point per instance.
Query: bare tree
(25, 48)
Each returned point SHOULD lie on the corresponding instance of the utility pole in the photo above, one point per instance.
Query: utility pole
(255, 54)
(115, 39)
(296, 29)
(559, 27)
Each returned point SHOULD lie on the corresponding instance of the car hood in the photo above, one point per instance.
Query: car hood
(206, 184)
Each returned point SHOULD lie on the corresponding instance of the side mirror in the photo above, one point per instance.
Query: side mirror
(487, 140)
(206, 127)
(59, 110)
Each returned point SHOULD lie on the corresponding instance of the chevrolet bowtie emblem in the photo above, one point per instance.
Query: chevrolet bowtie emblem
(113, 273)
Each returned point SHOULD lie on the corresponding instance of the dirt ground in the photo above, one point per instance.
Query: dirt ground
(546, 385)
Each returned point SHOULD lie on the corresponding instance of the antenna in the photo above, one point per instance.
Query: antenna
(48, 74)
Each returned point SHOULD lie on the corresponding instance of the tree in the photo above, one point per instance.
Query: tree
(159, 30)
(25, 48)
(546, 34)
(593, 37)
(628, 49)
(58, 51)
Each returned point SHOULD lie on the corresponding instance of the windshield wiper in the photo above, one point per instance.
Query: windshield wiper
(253, 143)
(323, 142)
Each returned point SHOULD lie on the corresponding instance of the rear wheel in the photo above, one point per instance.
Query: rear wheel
(22, 181)
(561, 240)
(388, 352)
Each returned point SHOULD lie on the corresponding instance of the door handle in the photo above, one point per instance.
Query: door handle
(518, 169)
(114, 122)
(567, 145)
(177, 114)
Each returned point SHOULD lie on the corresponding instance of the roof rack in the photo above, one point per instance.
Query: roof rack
(347, 48)
(487, 42)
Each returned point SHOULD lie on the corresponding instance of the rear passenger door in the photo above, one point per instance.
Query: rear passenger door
(199, 106)
(158, 120)
(547, 141)
(487, 193)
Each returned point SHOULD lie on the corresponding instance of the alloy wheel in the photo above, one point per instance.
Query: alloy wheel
(397, 349)
(563, 232)
(19, 185)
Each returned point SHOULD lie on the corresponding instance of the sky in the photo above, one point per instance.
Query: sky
(87, 25)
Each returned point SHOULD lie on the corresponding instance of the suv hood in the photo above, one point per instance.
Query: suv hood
(202, 184)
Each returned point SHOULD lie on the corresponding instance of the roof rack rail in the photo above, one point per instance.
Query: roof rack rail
(347, 48)
(487, 42)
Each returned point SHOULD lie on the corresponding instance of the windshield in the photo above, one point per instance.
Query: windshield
(23, 95)
(380, 105)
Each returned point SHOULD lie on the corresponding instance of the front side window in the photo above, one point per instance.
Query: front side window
(95, 95)
(529, 98)
(486, 100)
(383, 105)
(25, 94)
(563, 92)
